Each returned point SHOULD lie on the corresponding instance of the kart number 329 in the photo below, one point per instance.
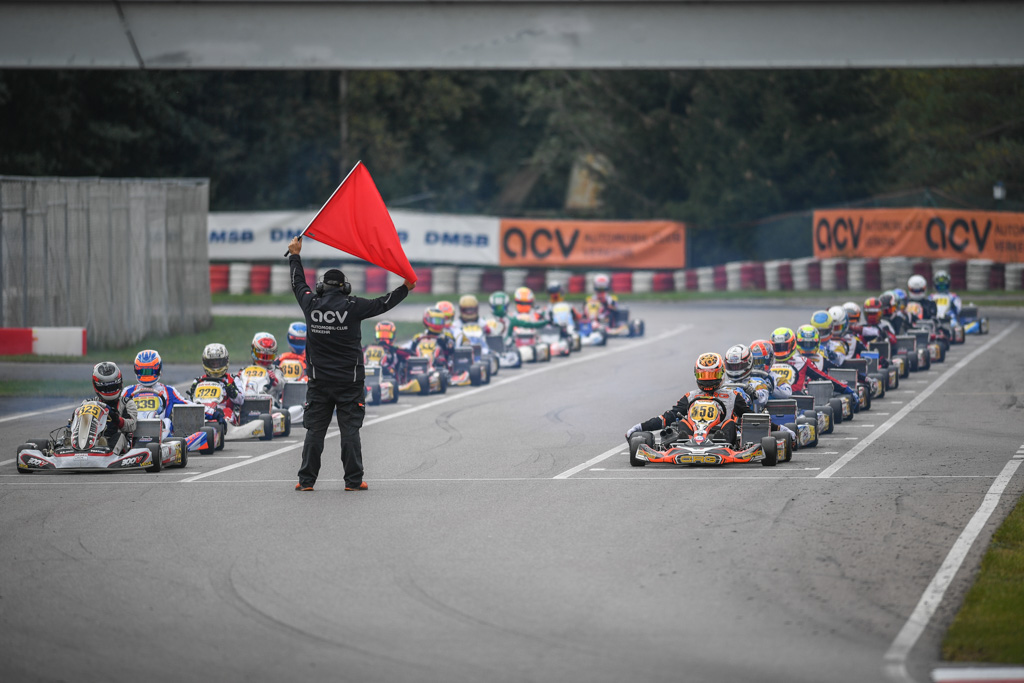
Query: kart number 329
(208, 392)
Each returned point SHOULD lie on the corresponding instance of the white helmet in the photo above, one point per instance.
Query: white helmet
(738, 363)
(917, 286)
(839, 325)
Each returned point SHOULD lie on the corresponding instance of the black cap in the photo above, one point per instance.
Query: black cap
(334, 277)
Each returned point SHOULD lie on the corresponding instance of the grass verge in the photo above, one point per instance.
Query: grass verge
(990, 625)
(47, 388)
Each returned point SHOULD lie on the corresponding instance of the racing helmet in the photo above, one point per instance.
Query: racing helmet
(822, 321)
(433, 320)
(498, 302)
(264, 349)
(738, 363)
(447, 310)
(555, 293)
(872, 311)
(917, 286)
(941, 281)
(147, 367)
(839, 324)
(807, 339)
(602, 284)
(901, 298)
(215, 360)
(709, 371)
(469, 308)
(783, 343)
(524, 299)
(384, 331)
(762, 355)
(107, 381)
(852, 313)
(297, 337)
(888, 302)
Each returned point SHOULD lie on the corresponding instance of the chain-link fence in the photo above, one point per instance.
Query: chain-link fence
(122, 258)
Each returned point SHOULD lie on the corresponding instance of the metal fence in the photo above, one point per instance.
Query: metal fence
(123, 258)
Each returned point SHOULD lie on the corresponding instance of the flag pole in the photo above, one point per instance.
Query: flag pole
(325, 203)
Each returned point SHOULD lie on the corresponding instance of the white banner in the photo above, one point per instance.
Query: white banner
(426, 237)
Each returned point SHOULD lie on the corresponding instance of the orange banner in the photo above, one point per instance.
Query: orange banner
(600, 244)
(927, 233)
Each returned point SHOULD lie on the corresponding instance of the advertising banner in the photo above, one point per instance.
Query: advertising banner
(921, 232)
(425, 237)
(599, 244)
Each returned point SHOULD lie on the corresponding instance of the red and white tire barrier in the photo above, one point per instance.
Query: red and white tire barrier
(43, 341)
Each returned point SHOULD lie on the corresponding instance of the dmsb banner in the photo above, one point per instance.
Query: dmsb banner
(921, 232)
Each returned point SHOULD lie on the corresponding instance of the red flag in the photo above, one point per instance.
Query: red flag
(356, 221)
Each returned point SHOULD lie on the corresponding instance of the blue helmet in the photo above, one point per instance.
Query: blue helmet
(147, 367)
(297, 337)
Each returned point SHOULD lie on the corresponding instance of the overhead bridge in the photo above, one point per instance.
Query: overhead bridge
(507, 34)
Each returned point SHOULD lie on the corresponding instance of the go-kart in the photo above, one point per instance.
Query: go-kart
(472, 335)
(558, 344)
(785, 411)
(506, 352)
(381, 385)
(825, 395)
(562, 316)
(828, 413)
(422, 374)
(251, 421)
(707, 446)
(468, 368)
(150, 405)
(917, 358)
(885, 361)
(254, 383)
(531, 349)
(924, 330)
(949, 325)
(849, 375)
(592, 333)
(972, 321)
(82, 446)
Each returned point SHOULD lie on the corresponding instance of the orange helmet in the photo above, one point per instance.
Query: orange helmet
(763, 354)
(524, 299)
(709, 370)
(433, 320)
(872, 311)
(384, 331)
(447, 310)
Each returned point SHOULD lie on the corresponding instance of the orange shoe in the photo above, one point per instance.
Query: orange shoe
(300, 487)
(360, 487)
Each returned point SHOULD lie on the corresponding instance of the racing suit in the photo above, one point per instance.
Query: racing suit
(929, 308)
(445, 346)
(122, 419)
(169, 397)
(233, 397)
(947, 304)
(806, 370)
(394, 357)
(736, 406)
(291, 355)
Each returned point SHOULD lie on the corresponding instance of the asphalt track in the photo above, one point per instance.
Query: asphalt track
(505, 537)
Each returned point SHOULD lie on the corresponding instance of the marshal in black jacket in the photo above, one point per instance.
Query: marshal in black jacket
(334, 348)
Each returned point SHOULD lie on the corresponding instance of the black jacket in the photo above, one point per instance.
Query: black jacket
(334, 349)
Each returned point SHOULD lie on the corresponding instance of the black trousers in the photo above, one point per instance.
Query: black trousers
(322, 399)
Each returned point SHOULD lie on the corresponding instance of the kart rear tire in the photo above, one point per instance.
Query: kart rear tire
(374, 394)
(836, 404)
(796, 430)
(787, 451)
(158, 464)
(211, 440)
(912, 364)
(865, 390)
(635, 442)
(771, 452)
(287, 423)
(443, 381)
(30, 446)
(831, 419)
(485, 372)
(475, 375)
(814, 423)
(904, 371)
(268, 427)
(184, 452)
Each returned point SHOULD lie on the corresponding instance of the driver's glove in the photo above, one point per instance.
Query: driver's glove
(231, 390)
(633, 430)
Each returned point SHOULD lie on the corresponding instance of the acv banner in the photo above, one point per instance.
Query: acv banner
(599, 244)
(921, 232)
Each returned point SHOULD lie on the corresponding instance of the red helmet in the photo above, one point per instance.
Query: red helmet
(384, 331)
(433, 320)
(872, 311)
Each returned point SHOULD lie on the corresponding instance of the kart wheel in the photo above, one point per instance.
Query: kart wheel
(211, 440)
(223, 429)
(837, 410)
(287, 423)
(184, 451)
(864, 394)
(912, 364)
(475, 376)
(925, 363)
(443, 382)
(831, 419)
(796, 430)
(268, 427)
(771, 453)
(30, 446)
(158, 464)
(635, 442)
(813, 425)
(904, 370)
(374, 394)
(394, 395)
(789, 445)
(485, 373)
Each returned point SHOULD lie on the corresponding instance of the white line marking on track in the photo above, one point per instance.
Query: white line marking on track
(8, 462)
(455, 396)
(20, 416)
(896, 657)
(593, 461)
(1006, 674)
(905, 410)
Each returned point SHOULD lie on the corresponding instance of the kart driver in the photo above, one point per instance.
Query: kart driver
(946, 302)
(123, 415)
(216, 364)
(917, 291)
(607, 305)
(784, 343)
(384, 333)
(297, 343)
(469, 314)
(709, 370)
(148, 365)
(434, 322)
(264, 355)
